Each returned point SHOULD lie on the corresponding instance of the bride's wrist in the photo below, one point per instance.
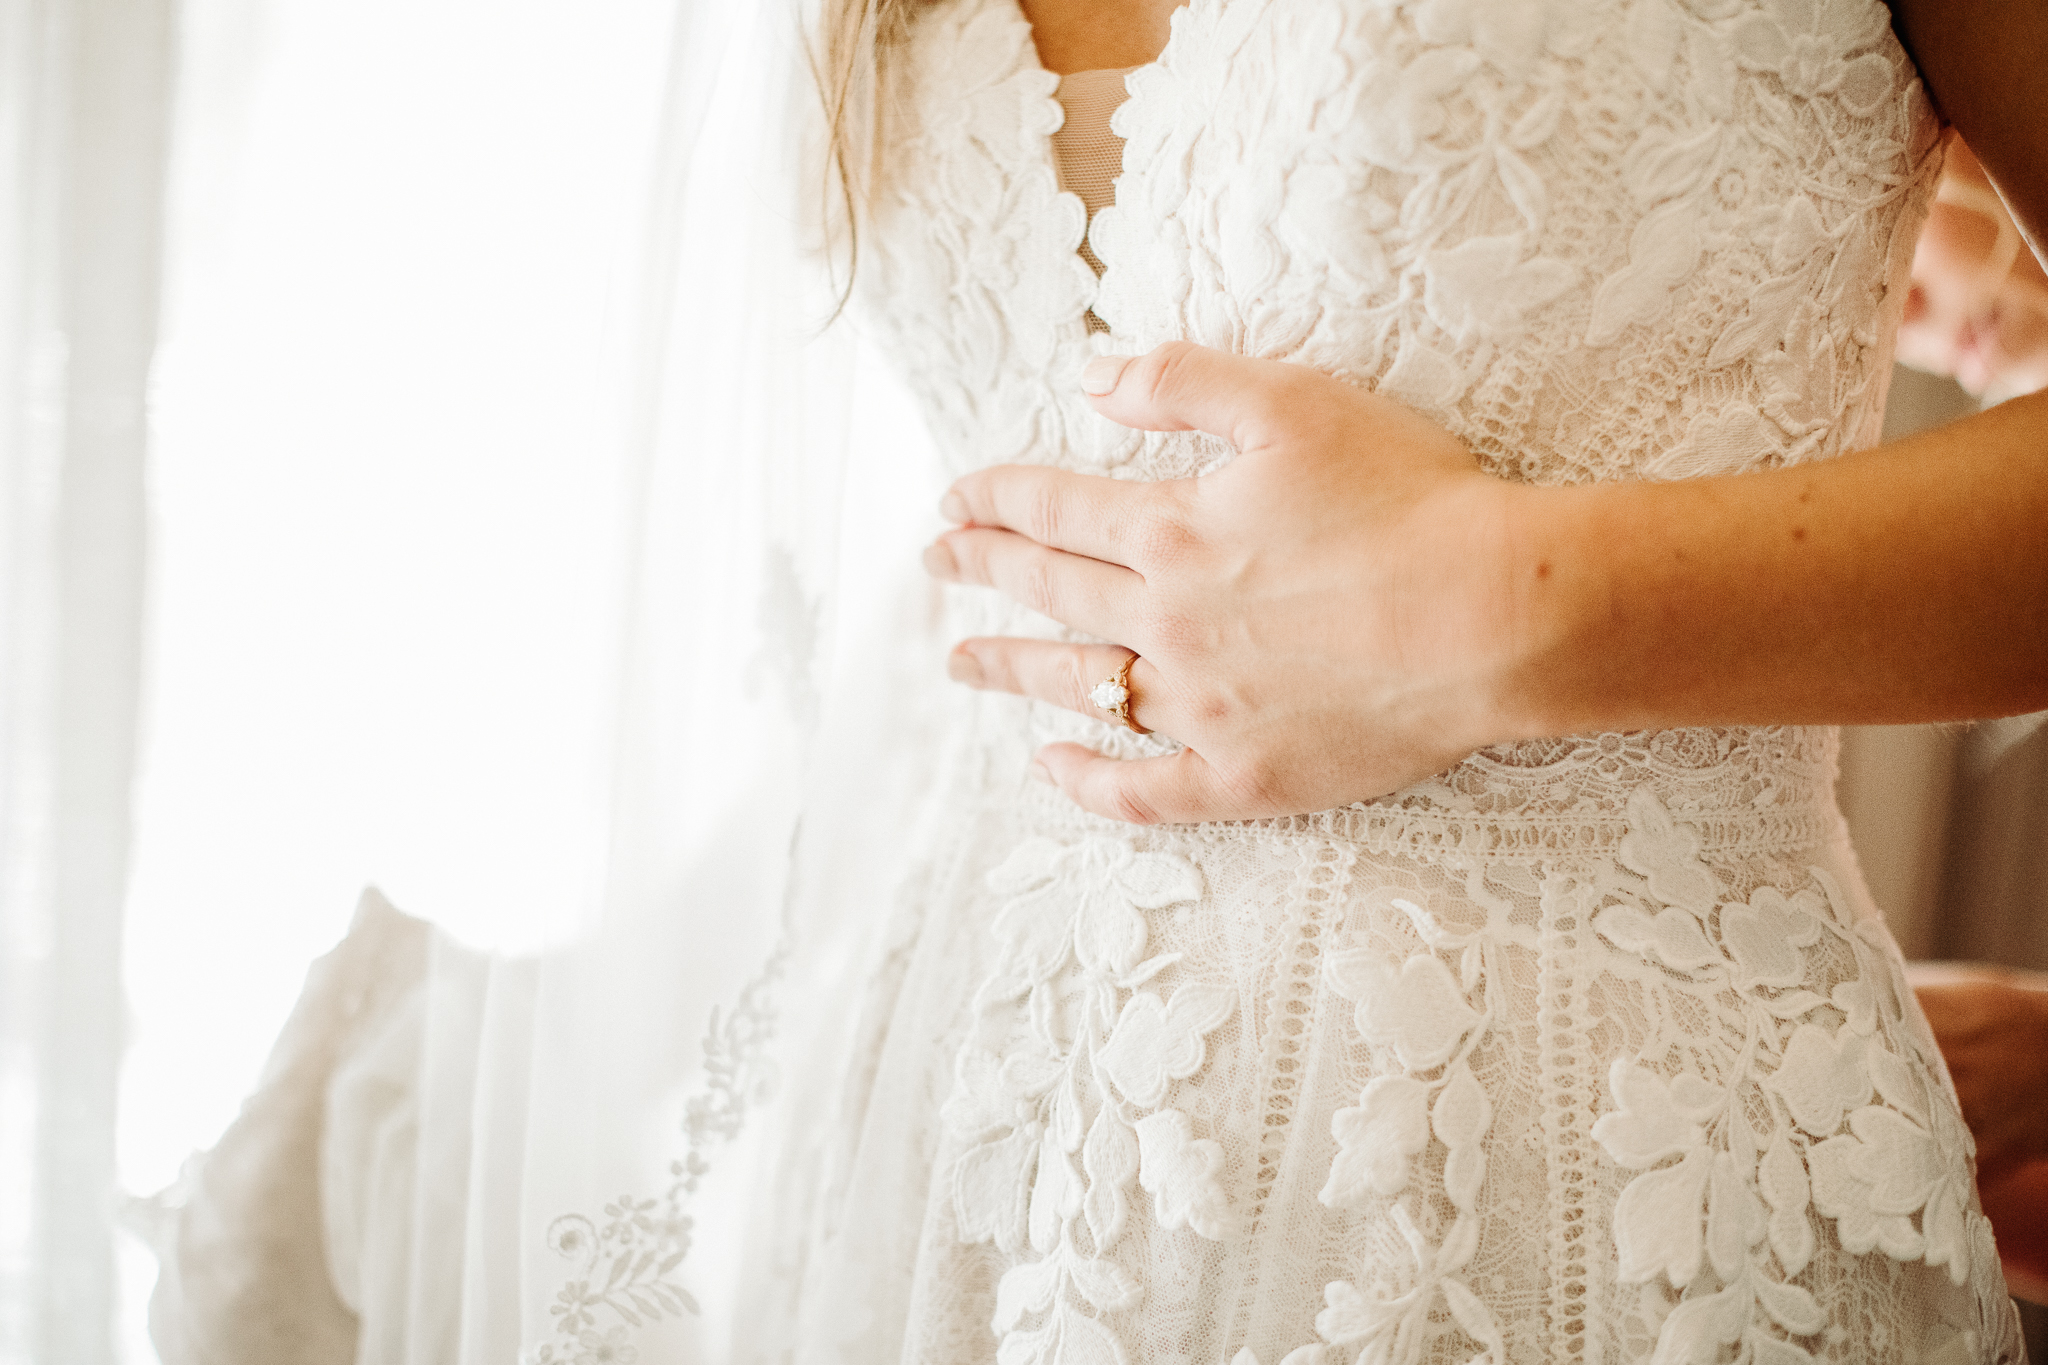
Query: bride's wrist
(1547, 578)
(1489, 619)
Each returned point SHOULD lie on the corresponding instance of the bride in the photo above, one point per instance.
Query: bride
(1588, 1048)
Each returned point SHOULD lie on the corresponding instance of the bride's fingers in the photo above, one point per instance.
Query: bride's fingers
(1064, 675)
(1181, 386)
(1083, 514)
(1084, 593)
(1178, 788)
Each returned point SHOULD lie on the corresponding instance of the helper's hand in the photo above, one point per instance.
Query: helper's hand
(1321, 621)
(1993, 1029)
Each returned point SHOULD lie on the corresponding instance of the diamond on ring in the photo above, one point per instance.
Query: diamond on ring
(1113, 694)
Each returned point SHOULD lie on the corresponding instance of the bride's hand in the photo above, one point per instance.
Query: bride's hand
(1323, 620)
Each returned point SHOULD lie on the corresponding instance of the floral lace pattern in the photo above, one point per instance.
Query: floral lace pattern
(1589, 1049)
(1072, 1061)
(1822, 1105)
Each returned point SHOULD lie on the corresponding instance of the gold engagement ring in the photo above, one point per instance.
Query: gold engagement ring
(1113, 694)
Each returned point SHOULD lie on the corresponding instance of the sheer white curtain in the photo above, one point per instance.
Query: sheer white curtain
(494, 509)
(83, 99)
(387, 495)
(499, 472)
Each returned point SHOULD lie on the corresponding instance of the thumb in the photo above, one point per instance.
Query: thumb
(1184, 387)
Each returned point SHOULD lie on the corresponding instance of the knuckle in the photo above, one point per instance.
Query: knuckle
(1130, 807)
(1036, 586)
(998, 666)
(1257, 784)
(1209, 707)
(1043, 512)
(970, 558)
(973, 490)
(1161, 535)
(1071, 680)
(1266, 411)
(1169, 365)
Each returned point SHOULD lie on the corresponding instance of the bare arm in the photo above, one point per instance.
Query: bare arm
(1903, 584)
(1907, 583)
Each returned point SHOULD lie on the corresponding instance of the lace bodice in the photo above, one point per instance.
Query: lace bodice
(1588, 1049)
(1649, 239)
(1596, 240)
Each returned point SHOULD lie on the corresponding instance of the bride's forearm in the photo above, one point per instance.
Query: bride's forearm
(1906, 583)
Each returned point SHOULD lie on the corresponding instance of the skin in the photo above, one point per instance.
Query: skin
(1993, 1026)
(1350, 605)
(1318, 628)
(1978, 308)
(1098, 35)
(1993, 1029)
(1982, 61)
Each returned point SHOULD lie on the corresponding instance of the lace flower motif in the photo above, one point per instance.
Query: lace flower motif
(1399, 107)
(1416, 1009)
(1844, 1126)
(1423, 1014)
(1481, 289)
(1810, 46)
(1084, 900)
(1892, 1165)
(1059, 1091)
(1510, 37)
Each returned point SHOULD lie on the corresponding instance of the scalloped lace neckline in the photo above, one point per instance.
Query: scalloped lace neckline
(1050, 155)
(1087, 156)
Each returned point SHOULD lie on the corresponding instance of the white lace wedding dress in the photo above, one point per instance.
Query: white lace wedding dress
(1587, 1050)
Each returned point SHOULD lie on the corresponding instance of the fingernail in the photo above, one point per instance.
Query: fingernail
(1099, 376)
(963, 667)
(953, 508)
(1040, 773)
(939, 561)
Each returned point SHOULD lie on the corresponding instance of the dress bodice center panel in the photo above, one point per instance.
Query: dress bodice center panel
(1087, 150)
(1617, 238)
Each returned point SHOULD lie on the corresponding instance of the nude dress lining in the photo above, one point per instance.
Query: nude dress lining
(1088, 156)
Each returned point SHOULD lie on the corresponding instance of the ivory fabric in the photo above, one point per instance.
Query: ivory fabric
(510, 1156)
(86, 92)
(1589, 1049)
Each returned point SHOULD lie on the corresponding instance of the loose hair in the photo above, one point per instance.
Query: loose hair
(853, 38)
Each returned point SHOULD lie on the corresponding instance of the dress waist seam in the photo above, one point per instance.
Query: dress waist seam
(1433, 834)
